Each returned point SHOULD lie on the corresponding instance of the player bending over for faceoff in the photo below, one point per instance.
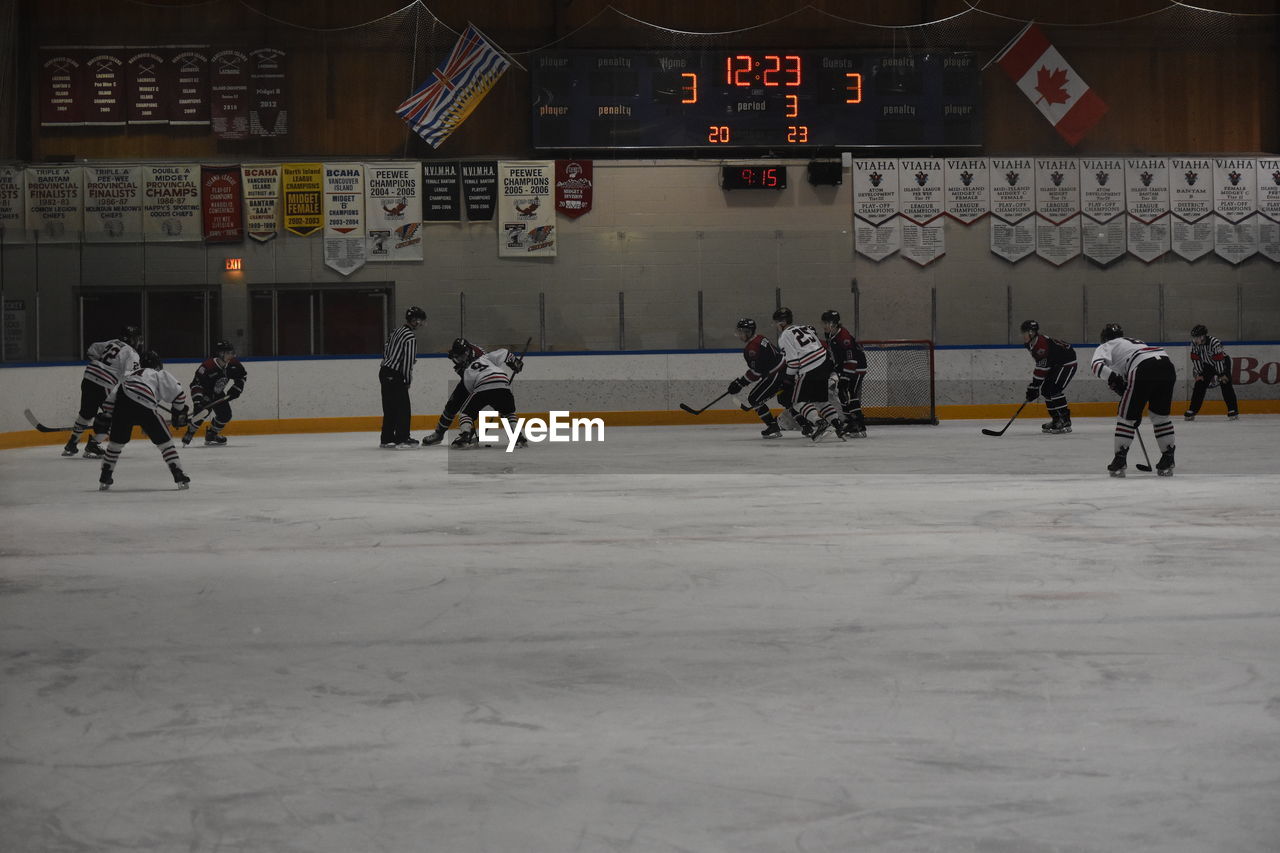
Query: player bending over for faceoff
(1143, 376)
(851, 368)
(1055, 367)
(486, 384)
(1210, 366)
(136, 402)
(462, 352)
(109, 363)
(807, 373)
(219, 377)
(764, 375)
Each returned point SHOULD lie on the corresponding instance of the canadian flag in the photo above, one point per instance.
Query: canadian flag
(1051, 84)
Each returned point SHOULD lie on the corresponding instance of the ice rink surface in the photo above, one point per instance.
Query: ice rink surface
(930, 640)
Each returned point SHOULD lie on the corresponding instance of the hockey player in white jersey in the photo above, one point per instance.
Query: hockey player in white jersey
(807, 376)
(137, 402)
(486, 380)
(1144, 377)
(108, 363)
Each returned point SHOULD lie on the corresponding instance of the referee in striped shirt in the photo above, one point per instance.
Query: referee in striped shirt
(395, 375)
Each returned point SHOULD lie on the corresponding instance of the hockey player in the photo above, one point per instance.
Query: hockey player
(487, 381)
(1055, 368)
(462, 352)
(1210, 365)
(218, 380)
(807, 372)
(137, 401)
(395, 374)
(764, 375)
(1143, 376)
(851, 368)
(109, 362)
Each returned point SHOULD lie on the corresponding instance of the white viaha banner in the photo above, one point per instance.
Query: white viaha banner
(171, 203)
(526, 209)
(260, 184)
(1013, 231)
(877, 231)
(393, 211)
(968, 188)
(1102, 232)
(344, 217)
(1057, 210)
(1268, 174)
(113, 204)
(921, 194)
(1191, 203)
(55, 203)
(1235, 208)
(1146, 193)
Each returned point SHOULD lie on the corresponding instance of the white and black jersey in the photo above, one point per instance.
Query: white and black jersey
(802, 349)
(487, 371)
(110, 362)
(1122, 356)
(401, 352)
(152, 388)
(1208, 358)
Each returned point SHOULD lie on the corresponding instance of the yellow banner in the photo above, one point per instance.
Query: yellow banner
(303, 197)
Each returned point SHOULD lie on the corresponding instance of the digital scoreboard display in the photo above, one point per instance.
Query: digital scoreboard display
(756, 99)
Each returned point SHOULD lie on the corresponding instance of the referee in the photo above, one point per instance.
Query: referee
(394, 375)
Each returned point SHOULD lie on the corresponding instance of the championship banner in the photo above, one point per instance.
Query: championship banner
(441, 192)
(146, 86)
(968, 188)
(104, 78)
(113, 204)
(220, 200)
(877, 231)
(921, 190)
(229, 94)
(170, 203)
(526, 209)
(480, 189)
(61, 87)
(55, 205)
(1191, 203)
(1013, 233)
(189, 92)
(261, 189)
(393, 211)
(268, 110)
(1057, 210)
(344, 217)
(574, 187)
(1146, 198)
(1268, 174)
(13, 210)
(1235, 208)
(303, 185)
(1102, 203)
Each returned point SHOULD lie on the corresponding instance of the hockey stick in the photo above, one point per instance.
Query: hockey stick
(1006, 426)
(36, 423)
(1146, 467)
(196, 422)
(694, 411)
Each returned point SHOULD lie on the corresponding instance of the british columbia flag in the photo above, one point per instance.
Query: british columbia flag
(455, 88)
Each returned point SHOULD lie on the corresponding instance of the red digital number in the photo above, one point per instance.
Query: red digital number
(772, 65)
(689, 88)
(853, 86)
(798, 133)
(737, 70)
(792, 64)
(769, 178)
(793, 106)
(718, 133)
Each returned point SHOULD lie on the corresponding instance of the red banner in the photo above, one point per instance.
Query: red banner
(573, 187)
(61, 87)
(146, 85)
(222, 204)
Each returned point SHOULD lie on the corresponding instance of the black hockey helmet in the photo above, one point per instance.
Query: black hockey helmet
(746, 324)
(223, 347)
(131, 335)
(1030, 326)
(783, 315)
(151, 359)
(415, 313)
(1198, 330)
(832, 316)
(462, 351)
(1110, 332)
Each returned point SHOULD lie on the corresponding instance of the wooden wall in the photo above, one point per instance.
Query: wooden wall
(1175, 80)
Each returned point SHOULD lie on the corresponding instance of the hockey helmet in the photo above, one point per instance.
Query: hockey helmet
(746, 324)
(131, 335)
(1030, 326)
(1110, 332)
(783, 315)
(223, 347)
(831, 316)
(415, 313)
(463, 351)
(1198, 330)
(151, 359)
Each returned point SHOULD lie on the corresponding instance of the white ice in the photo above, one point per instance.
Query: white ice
(930, 640)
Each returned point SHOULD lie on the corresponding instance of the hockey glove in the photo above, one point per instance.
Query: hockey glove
(1223, 379)
(179, 418)
(736, 385)
(234, 392)
(1033, 391)
(1117, 383)
(514, 362)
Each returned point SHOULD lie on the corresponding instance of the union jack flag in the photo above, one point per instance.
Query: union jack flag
(455, 88)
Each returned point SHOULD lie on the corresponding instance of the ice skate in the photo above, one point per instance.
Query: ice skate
(1188, 416)
(186, 439)
(1057, 427)
(214, 440)
(1118, 464)
(432, 438)
(1233, 416)
(465, 439)
(521, 442)
(839, 428)
(71, 448)
(819, 430)
(179, 477)
(1164, 467)
(93, 450)
(771, 431)
(387, 445)
(104, 479)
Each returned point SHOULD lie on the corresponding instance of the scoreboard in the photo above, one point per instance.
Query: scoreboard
(756, 99)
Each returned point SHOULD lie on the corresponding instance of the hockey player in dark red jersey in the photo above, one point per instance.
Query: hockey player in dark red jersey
(218, 380)
(1055, 368)
(1210, 366)
(764, 375)
(850, 367)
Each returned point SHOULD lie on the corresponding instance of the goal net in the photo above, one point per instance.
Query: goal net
(899, 384)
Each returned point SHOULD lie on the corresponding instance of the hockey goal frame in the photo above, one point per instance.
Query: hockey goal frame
(882, 402)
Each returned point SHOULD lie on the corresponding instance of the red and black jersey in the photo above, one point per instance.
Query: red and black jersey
(846, 352)
(762, 358)
(1049, 353)
(215, 380)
